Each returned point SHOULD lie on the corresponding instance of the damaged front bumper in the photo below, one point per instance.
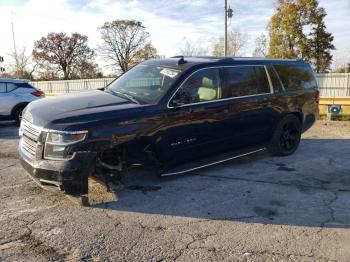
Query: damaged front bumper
(68, 175)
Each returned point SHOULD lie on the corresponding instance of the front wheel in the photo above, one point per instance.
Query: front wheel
(286, 137)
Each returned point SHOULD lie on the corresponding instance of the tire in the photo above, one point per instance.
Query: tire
(286, 137)
(17, 115)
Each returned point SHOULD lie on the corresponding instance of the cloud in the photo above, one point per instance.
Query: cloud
(169, 22)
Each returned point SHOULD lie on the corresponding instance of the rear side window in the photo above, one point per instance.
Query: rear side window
(244, 81)
(296, 77)
(10, 87)
(7, 87)
(2, 87)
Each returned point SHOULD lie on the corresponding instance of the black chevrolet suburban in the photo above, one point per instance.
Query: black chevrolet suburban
(170, 115)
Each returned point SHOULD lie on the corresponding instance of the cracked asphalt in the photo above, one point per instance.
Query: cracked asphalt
(257, 208)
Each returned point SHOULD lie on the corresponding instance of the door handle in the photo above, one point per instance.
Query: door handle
(266, 104)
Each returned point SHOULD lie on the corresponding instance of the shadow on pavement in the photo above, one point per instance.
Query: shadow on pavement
(309, 188)
(8, 130)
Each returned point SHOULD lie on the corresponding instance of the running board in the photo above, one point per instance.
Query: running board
(209, 161)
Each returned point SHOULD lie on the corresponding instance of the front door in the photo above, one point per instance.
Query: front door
(195, 116)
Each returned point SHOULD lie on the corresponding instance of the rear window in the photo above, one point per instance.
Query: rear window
(296, 77)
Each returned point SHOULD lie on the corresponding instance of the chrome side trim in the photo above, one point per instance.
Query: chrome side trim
(216, 100)
(55, 183)
(211, 164)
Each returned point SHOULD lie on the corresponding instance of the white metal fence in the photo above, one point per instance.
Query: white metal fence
(334, 84)
(330, 85)
(71, 86)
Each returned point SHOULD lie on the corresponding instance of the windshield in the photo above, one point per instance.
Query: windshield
(144, 83)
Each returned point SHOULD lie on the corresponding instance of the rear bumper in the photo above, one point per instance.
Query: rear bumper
(70, 176)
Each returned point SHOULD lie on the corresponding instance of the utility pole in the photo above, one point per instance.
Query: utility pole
(225, 45)
(14, 44)
(228, 14)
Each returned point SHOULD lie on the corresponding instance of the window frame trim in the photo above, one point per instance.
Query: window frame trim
(221, 99)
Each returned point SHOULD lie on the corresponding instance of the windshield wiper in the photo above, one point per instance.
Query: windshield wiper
(127, 96)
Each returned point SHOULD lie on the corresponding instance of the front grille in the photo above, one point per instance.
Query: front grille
(28, 147)
(30, 131)
(29, 140)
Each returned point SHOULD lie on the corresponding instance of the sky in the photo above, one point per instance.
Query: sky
(170, 22)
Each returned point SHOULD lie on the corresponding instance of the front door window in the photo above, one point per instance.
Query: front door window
(203, 85)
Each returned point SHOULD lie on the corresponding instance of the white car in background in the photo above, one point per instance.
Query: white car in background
(15, 95)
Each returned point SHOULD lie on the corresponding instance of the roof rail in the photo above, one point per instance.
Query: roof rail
(226, 59)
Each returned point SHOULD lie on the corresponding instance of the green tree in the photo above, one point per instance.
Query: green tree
(285, 31)
(319, 43)
(288, 38)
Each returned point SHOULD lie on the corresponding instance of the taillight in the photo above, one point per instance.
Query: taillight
(38, 93)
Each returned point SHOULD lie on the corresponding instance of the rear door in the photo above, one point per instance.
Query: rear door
(251, 112)
(9, 97)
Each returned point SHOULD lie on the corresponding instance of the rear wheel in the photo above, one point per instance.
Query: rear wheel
(286, 137)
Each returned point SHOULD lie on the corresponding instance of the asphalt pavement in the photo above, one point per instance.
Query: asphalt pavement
(257, 208)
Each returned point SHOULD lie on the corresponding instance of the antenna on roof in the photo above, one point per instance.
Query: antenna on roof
(181, 59)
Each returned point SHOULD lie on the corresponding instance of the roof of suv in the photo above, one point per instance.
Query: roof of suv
(184, 62)
(15, 81)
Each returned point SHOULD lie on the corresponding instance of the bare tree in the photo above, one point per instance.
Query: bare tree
(21, 65)
(62, 51)
(191, 49)
(124, 41)
(236, 44)
(261, 46)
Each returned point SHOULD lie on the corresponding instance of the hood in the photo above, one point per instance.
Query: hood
(75, 110)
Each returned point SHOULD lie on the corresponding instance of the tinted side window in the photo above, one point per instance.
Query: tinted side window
(25, 85)
(204, 85)
(244, 81)
(2, 87)
(296, 77)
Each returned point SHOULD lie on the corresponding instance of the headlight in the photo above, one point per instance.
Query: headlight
(57, 144)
